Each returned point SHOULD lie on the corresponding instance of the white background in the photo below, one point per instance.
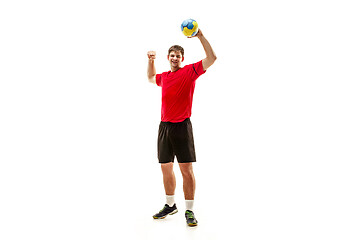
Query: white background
(276, 119)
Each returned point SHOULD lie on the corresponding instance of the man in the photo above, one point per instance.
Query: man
(175, 131)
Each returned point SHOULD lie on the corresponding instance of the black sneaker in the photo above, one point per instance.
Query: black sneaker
(167, 210)
(190, 218)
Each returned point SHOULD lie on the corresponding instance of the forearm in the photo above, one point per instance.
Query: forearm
(210, 54)
(207, 47)
(151, 71)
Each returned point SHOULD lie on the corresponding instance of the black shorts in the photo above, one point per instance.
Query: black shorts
(176, 139)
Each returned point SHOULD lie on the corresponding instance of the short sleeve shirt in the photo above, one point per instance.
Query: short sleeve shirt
(177, 91)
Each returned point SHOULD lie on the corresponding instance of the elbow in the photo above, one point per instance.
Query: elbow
(151, 79)
(213, 57)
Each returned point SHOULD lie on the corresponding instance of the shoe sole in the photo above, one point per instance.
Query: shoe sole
(172, 213)
(192, 224)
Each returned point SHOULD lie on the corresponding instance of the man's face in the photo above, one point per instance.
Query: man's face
(175, 58)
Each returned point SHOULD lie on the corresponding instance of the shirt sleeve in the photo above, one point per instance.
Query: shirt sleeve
(197, 69)
(158, 79)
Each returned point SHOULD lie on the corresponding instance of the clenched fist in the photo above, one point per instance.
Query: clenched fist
(151, 55)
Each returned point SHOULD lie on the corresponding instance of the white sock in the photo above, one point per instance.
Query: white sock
(170, 200)
(189, 204)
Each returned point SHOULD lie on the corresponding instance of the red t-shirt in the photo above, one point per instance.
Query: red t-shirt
(177, 92)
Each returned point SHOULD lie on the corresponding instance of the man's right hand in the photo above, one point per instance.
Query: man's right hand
(151, 72)
(151, 55)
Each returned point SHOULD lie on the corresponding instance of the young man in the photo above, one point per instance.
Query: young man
(175, 131)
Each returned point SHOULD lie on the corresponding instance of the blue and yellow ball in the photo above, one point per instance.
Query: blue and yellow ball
(189, 27)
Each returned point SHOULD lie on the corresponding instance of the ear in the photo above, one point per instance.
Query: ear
(168, 57)
(182, 59)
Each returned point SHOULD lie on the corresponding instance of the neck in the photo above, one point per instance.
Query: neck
(174, 69)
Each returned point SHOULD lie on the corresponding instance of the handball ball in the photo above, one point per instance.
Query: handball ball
(189, 27)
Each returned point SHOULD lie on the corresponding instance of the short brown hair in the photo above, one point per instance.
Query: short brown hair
(176, 48)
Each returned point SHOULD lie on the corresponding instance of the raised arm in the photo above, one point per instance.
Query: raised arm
(210, 54)
(151, 71)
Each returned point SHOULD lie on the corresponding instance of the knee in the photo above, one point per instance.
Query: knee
(167, 169)
(187, 172)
